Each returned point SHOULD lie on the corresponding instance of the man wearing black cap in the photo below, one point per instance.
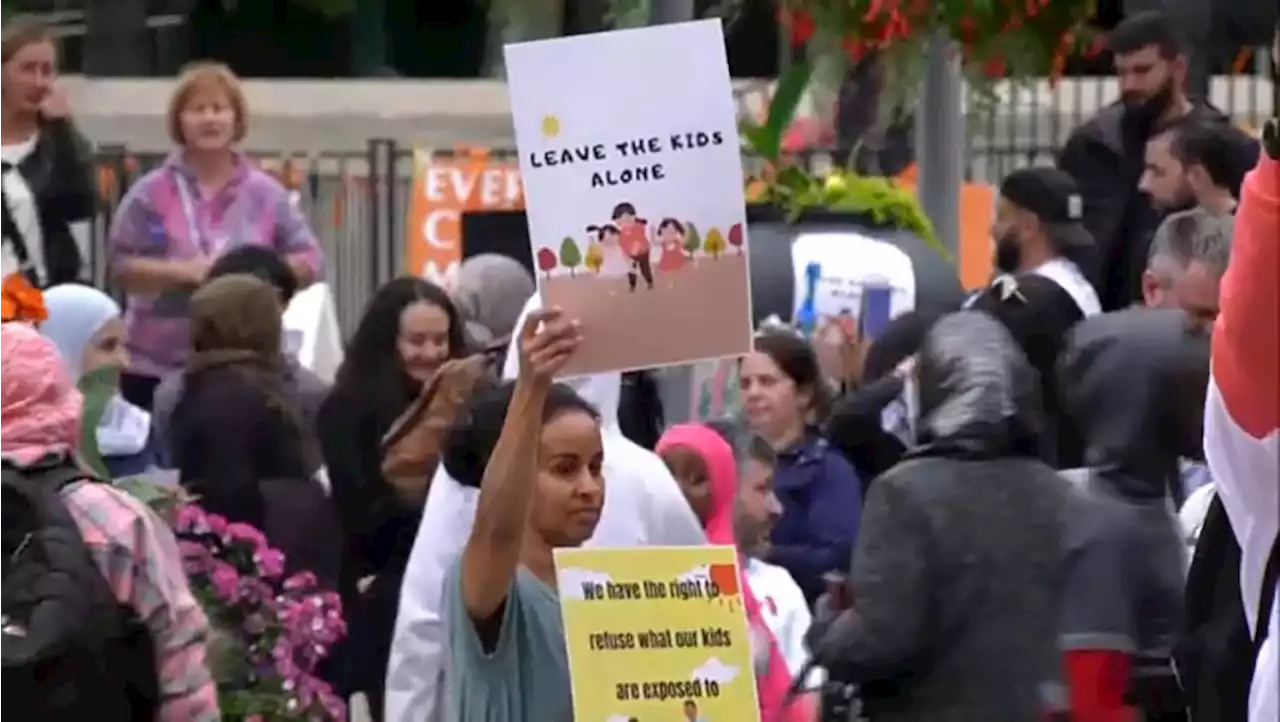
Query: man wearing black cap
(1042, 291)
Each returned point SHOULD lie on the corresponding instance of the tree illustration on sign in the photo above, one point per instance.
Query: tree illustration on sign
(736, 237)
(692, 240)
(714, 245)
(595, 258)
(546, 261)
(570, 256)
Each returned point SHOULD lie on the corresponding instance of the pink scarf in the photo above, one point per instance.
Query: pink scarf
(39, 406)
(717, 455)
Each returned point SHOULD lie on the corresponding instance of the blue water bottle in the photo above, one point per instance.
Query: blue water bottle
(807, 314)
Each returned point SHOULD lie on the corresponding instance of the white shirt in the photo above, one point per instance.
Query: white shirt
(1070, 279)
(1068, 276)
(784, 612)
(22, 206)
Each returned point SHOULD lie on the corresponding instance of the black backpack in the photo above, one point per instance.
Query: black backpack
(71, 651)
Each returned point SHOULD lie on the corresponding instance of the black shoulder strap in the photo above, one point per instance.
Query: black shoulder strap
(1269, 580)
(45, 479)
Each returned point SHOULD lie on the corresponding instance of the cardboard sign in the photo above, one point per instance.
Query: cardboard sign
(632, 173)
(656, 634)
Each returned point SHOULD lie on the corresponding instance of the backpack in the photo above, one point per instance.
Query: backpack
(71, 651)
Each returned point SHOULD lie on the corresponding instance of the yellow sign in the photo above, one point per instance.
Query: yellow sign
(656, 634)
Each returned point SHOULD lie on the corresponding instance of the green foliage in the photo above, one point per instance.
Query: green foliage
(163, 499)
(765, 140)
(624, 13)
(880, 199)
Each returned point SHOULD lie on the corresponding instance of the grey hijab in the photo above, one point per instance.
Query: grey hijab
(490, 293)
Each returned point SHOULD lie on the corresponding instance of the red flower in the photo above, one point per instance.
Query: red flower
(22, 301)
(799, 23)
(994, 67)
(854, 48)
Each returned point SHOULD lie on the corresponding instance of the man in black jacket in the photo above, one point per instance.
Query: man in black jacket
(1106, 154)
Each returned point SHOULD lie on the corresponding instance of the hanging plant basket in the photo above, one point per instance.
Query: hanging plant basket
(1014, 39)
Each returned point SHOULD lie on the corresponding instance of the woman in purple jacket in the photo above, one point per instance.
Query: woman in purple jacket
(178, 219)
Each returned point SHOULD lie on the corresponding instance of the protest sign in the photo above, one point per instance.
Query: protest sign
(632, 174)
(656, 634)
(446, 185)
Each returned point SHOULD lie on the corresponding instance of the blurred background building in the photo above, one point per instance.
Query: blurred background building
(350, 39)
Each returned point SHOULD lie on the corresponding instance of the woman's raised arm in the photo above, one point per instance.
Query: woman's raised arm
(491, 556)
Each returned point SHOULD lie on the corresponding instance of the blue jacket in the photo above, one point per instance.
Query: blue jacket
(821, 501)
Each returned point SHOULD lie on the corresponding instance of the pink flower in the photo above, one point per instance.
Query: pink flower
(225, 580)
(246, 534)
(254, 624)
(270, 562)
(333, 705)
(301, 580)
(217, 523)
(191, 518)
(254, 718)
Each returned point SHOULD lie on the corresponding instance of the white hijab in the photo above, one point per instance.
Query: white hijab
(643, 507)
(76, 313)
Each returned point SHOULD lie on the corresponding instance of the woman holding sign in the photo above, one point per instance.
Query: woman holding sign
(542, 489)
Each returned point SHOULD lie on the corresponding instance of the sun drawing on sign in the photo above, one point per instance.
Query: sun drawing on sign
(550, 126)
(725, 576)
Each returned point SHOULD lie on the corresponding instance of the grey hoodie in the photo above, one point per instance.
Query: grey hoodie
(955, 575)
(1133, 383)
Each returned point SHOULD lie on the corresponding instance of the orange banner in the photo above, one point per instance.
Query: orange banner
(444, 187)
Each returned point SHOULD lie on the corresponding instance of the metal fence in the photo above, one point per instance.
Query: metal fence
(358, 203)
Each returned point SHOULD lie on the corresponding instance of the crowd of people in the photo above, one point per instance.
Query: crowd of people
(1007, 548)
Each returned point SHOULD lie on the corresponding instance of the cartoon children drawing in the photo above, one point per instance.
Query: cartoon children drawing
(671, 241)
(635, 242)
(614, 263)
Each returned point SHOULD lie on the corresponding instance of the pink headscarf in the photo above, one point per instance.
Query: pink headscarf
(39, 407)
(717, 455)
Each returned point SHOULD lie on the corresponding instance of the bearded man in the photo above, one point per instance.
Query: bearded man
(1106, 155)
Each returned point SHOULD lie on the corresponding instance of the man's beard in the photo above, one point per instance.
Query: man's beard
(1144, 113)
(1008, 253)
(1185, 201)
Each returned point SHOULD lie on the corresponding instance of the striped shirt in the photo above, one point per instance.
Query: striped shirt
(139, 558)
